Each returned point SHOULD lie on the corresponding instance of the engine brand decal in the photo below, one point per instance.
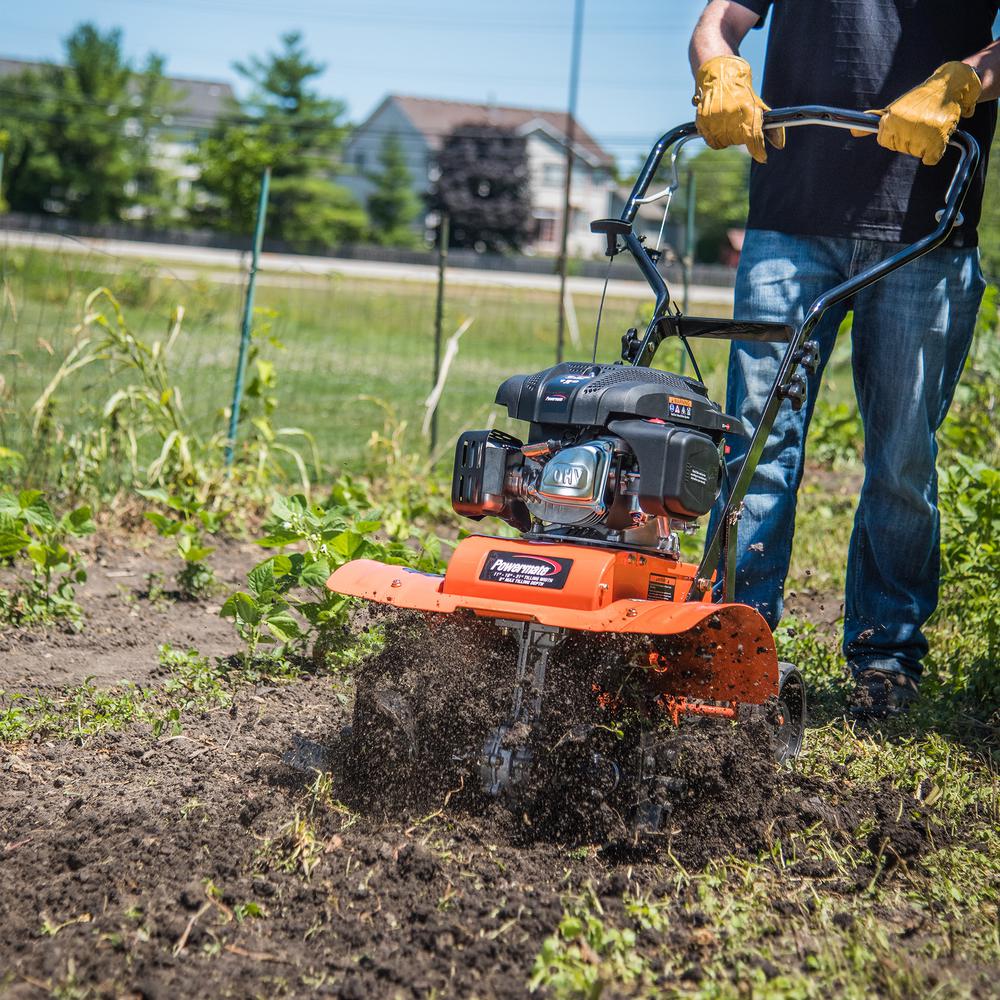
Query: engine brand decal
(526, 571)
(680, 408)
(697, 475)
(661, 588)
(556, 397)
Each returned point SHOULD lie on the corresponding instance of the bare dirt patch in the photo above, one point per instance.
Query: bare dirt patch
(123, 627)
(202, 864)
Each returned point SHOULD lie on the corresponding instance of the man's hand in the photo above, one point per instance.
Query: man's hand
(729, 111)
(921, 122)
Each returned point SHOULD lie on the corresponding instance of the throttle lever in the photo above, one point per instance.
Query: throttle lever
(611, 229)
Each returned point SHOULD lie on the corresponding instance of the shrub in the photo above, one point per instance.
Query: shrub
(33, 540)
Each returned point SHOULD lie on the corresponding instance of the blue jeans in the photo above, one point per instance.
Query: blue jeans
(910, 337)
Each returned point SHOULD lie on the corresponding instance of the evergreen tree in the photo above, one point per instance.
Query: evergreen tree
(81, 134)
(289, 127)
(484, 186)
(393, 205)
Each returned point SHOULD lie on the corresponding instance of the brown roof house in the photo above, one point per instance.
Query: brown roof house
(421, 124)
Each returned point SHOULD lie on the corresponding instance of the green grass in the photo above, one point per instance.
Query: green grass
(342, 339)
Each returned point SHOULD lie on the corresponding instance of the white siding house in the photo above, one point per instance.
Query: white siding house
(421, 125)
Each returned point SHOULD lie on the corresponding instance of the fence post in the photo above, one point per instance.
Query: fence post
(688, 261)
(241, 363)
(574, 86)
(443, 229)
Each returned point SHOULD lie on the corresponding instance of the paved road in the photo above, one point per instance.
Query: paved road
(295, 269)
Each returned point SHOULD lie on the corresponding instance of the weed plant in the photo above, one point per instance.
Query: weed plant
(140, 434)
(36, 545)
(187, 521)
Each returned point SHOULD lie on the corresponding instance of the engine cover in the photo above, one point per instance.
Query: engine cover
(588, 395)
(572, 485)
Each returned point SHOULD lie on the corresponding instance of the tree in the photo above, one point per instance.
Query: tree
(721, 199)
(393, 205)
(290, 128)
(81, 134)
(989, 226)
(484, 186)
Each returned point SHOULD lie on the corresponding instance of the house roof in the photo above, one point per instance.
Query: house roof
(199, 103)
(436, 118)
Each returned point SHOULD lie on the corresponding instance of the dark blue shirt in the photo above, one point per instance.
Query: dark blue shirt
(862, 54)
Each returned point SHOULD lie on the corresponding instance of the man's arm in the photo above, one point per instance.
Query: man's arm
(986, 62)
(730, 113)
(720, 29)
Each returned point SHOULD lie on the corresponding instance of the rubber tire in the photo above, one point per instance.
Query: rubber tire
(789, 733)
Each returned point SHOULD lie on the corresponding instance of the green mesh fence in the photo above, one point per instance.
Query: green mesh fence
(335, 339)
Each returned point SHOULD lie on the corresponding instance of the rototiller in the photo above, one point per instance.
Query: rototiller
(593, 601)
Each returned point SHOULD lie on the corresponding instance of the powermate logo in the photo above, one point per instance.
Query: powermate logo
(525, 571)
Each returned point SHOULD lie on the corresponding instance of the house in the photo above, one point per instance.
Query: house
(197, 105)
(421, 125)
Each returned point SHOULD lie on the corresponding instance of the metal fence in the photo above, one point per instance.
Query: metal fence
(350, 344)
(714, 275)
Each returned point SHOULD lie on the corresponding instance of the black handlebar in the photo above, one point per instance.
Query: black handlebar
(723, 539)
(792, 118)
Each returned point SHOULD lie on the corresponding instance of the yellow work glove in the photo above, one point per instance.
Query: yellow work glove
(922, 120)
(729, 111)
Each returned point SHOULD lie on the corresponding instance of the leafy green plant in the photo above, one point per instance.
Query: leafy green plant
(194, 677)
(286, 600)
(586, 956)
(187, 521)
(967, 647)
(79, 712)
(34, 540)
(262, 613)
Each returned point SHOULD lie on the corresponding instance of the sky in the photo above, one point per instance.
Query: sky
(634, 78)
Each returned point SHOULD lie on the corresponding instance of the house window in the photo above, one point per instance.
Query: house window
(553, 175)
(359, 160)
(545, 230)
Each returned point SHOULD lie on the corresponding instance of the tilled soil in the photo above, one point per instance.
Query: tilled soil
(204, 865)
(128, 864)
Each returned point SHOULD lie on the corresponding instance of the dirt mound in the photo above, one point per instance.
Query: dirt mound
(437, 686)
